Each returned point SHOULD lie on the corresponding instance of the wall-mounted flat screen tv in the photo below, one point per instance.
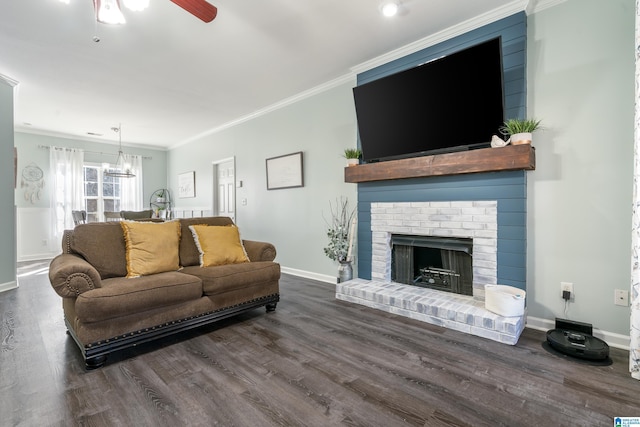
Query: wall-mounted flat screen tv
(452, 103)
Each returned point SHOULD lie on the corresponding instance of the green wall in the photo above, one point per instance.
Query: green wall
(30, 151)
(580, 62)
(581, 84)
(33, 217)
(321, 126)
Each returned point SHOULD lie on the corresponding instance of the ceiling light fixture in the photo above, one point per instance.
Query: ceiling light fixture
(108, 12)
(122, 169)
(389, 8)
(136, 5)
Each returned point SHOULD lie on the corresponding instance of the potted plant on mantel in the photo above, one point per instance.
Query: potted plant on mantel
(519, 130)
(353, 156)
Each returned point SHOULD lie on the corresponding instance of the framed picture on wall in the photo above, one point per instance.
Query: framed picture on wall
(187, 184)
(285, 171)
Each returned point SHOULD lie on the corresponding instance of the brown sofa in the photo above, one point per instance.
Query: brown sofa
(105, 311)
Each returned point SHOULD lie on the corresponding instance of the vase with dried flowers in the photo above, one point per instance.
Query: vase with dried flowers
(341, 233)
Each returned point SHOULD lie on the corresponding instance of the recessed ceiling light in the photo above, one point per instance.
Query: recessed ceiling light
(136, 5)
(389, 8)
(94, 134)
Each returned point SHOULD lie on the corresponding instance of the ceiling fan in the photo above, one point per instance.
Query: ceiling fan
(109, 12)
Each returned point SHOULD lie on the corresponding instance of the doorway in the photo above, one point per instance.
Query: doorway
(224, 188)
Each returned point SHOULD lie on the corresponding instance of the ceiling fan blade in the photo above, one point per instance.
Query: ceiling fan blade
(201, 9)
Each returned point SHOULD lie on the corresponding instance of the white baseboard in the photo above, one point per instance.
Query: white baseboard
(8, 286)
(611, 338)
(310, 275)
(38, 257)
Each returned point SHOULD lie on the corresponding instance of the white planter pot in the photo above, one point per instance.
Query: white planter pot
(504, 300)
(521, 138)
(353, 162)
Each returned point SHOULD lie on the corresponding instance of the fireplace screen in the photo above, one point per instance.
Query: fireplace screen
(440, 263)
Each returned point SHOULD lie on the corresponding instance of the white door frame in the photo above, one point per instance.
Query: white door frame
(214, 206)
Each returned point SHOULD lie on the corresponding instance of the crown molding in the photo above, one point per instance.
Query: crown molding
(446, 34)
(85, 138)
(8, 80)
(528, 6)
(536, 6)
(347, 78)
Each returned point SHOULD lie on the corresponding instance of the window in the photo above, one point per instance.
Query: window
(101, 193)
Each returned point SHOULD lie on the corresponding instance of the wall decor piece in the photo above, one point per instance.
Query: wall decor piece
(187, 184)
(285, 171)
(32, 182)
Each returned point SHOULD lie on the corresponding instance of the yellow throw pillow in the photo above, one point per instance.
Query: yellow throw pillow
(218, 245)
(152, 247)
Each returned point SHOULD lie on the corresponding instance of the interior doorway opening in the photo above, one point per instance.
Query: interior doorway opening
(224, 188)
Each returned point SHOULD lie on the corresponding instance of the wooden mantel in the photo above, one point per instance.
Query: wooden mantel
(509, 158)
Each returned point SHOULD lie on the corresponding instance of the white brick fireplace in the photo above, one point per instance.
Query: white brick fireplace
(476, 220)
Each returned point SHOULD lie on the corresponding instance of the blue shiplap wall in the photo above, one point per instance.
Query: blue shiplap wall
(508, 188)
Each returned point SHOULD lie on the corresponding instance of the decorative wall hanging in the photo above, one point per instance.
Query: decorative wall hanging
(32, 181)
(187, 185)
(285, 171)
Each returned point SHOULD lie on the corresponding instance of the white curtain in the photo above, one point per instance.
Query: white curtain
(66, 168)
(131, 188)
(634, 353)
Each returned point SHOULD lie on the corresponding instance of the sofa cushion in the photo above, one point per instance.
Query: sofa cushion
(121, 296)
(218, 245)
(102, 245)
(225, 278)
(189, 254)
(152, 247)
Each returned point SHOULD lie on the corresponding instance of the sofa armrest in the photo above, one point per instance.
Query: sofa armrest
(70, 275)
(259, 251)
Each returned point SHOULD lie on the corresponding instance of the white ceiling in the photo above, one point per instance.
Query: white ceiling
(168, 77)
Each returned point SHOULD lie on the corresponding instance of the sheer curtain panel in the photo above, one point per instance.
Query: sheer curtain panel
(131, 188)
(66, 168)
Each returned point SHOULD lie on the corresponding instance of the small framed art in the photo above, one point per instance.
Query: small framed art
(187, 184)
(285, 171)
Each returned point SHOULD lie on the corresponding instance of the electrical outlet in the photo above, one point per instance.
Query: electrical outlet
(621, 297)
(566, 286)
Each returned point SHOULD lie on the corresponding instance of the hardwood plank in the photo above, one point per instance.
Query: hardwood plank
(315, 361)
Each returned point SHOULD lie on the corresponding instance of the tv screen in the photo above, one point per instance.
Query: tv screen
(449, 104)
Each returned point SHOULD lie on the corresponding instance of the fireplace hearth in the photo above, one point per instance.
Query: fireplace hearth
(469, 227)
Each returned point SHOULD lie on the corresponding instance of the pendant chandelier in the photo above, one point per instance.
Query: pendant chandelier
(121, 169)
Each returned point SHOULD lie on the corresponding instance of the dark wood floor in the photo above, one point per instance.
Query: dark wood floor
(315, 361)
